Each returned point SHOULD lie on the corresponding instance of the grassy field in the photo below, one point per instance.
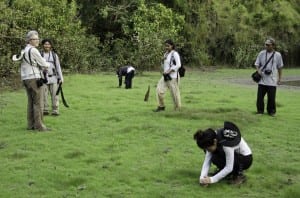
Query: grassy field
(109, 143)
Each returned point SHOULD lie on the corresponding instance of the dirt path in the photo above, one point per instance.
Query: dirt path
(288, 82)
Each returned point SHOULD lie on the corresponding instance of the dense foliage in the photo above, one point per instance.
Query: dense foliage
(102, 35)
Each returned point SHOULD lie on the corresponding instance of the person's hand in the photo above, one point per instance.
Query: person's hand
(260, 72)
(205, 180)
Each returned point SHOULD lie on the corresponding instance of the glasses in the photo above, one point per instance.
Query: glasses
(35, 39)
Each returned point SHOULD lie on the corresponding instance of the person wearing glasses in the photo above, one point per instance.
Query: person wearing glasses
(31, 74)
(269, 65)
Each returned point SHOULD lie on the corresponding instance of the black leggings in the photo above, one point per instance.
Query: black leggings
(128, 80)
(240, 163)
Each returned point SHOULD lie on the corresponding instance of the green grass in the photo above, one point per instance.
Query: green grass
(109, 143)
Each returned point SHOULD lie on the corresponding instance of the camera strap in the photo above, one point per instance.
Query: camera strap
(30, 62)
(262, 69)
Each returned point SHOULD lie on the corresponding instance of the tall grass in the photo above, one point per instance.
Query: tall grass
(109, 143)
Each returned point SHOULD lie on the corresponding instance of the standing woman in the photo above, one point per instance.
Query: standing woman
(170, 79)
(31, 64)
(54, 77)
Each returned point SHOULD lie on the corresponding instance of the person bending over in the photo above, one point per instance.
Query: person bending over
(128, 72)
(226, 149)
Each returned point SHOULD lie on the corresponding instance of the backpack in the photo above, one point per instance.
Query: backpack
(181, 70)
(230, 135)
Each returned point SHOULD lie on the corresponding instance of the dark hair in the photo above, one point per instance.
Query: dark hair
(47, 40)
(170, 42)
(205, 138)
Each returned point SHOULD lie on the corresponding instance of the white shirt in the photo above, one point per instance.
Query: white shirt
(168, 61)
(242, 148)
(32, 71)
(53, 72)
(274, 64)
(130, 68)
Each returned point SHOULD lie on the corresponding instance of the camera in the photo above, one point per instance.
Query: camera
(45, 80)
(268, 72)
(39, 82)
(167, 77)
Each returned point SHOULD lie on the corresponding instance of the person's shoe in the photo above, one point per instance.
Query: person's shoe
(272, 114)
(159, 109)
(237, 180)
(259, 113)
(55, 114)
(30, 128)
(46, 113)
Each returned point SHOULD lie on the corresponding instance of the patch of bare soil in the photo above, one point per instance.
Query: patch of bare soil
(288, 82)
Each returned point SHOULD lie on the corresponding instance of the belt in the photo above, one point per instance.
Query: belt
(51, 75)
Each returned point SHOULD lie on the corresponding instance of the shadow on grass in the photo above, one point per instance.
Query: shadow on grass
(74, 154)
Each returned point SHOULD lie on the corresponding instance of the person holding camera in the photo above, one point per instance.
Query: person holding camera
(31, 74)
(226, 149)
(54, 78)
(170, 78)
(269, 65)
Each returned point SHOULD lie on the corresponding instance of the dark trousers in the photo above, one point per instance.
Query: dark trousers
(128, 80)
(240, 163)
(271, 104)
(34, 105)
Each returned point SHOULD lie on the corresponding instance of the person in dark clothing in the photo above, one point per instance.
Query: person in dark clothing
(128, 72)
(226, 149)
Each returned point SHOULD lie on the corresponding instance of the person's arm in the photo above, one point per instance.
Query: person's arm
(229, 156)
(279, 76)
(36, 56)
(280, 65)
(205, 167)
(258, 63)
(119, 75)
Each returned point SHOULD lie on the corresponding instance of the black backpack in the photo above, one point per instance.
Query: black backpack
(230, 135)
(181, 70)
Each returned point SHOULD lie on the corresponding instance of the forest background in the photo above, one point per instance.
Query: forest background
(92, 36)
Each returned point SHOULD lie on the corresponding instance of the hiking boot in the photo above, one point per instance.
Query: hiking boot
(159, 109)
(272, 114)
(237, 180)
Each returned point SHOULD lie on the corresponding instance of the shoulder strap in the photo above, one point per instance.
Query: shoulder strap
(54, 59)
(172, 59)
(29, 56)
(268, 61)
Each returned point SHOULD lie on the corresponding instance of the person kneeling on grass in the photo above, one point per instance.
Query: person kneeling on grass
(226, 149)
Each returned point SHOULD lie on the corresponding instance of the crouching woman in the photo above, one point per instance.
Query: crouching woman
(226, 149)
